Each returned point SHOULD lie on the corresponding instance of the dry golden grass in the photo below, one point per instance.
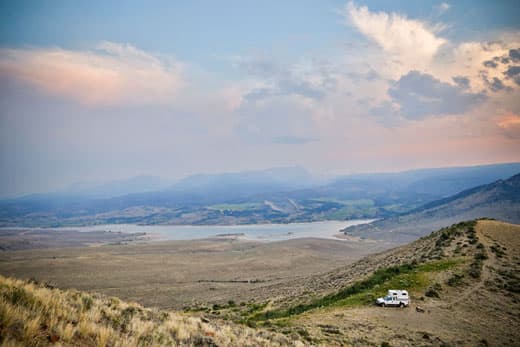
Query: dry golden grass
(34, 315)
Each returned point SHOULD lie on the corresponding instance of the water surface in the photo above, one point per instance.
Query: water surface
(257, 232)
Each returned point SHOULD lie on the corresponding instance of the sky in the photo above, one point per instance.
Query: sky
(106, 90)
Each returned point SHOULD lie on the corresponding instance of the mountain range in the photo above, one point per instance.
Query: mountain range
(279, 195)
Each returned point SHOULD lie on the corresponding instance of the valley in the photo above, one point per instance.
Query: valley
(286, 293)
(185, 273)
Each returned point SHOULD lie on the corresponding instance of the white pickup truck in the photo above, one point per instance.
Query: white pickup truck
(394, 298)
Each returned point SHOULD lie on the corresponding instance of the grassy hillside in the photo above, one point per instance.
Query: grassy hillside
(32, 314)
(465, 278)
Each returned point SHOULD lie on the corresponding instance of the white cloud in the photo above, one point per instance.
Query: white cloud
(468, 59)
(412, 41)
(404, 45)
(443, 7)
(112, 73)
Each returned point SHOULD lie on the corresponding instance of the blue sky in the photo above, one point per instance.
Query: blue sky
(101, 90)
(197, 29)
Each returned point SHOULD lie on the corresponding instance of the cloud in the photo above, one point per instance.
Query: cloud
(461, 81)
(490, 64)
(467, 59)
(510, 125)
(484, 64)
(299, 87)
(495, 84)
(387, 114)
(514, 54)
(513, 72)
(411, 40)
(285, 87)
(112, 73)
(420, 95)
(443, 7)
(304, 80)
(370, 75)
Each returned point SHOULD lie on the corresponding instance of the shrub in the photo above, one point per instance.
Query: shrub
(87, 302)
(433, 291)
(19, 296)
(475, 270)
(497, 250)
(455, 280)
(114, 301)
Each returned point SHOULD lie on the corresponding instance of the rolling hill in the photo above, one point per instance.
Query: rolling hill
(498, 200)
(464, 278)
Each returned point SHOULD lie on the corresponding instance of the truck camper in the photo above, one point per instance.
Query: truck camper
(394, 297)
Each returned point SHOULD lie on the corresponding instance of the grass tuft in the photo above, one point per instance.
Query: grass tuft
(34, 315)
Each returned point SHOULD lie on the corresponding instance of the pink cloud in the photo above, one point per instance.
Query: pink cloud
(510, 125)
(111, 74)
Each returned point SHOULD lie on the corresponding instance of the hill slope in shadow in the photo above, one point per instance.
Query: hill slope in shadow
(498, 200)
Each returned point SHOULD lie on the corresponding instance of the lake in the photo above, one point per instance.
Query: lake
(257, 232)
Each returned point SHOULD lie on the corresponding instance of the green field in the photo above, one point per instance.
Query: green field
(236, 207)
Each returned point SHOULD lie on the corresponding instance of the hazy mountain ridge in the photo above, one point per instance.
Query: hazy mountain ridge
(279, 195)
(499, 200)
